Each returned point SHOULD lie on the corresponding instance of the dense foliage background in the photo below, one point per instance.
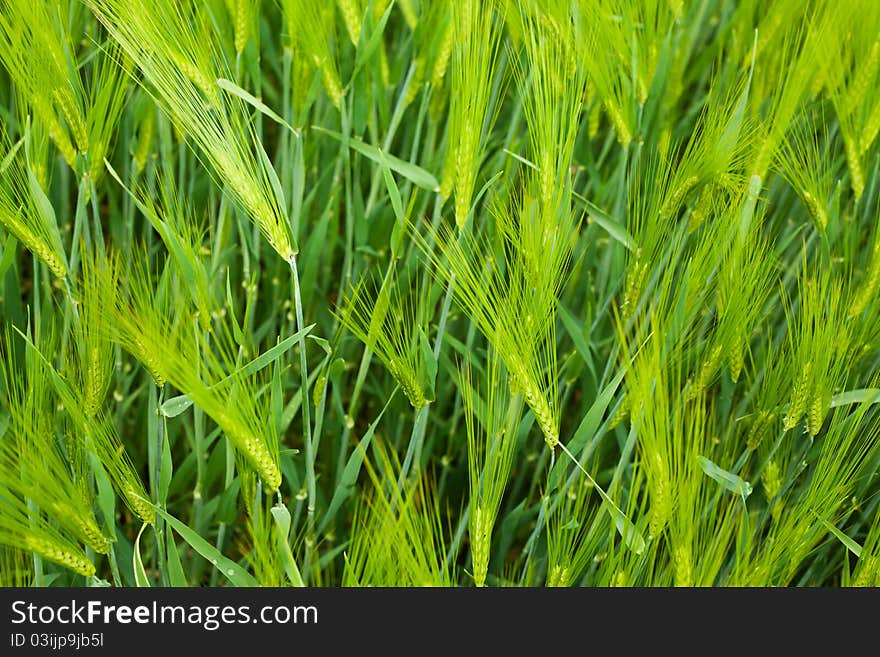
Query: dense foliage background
(454, 292)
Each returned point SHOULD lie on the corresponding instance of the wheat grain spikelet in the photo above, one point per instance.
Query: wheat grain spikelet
(87, 528)
(252, 448)
(707, 371)
(72, 114)
(196, 75)
(154, 365)
(418, 78)
(867, 290)
(352, 14)
(593, 120)
(44, 111)
(635, 281)
(146, 131)
(409, 383)
(860, 85)
(772, 481)
(759, 429)
(819, 405)
(95, 385)
(676, 197)
(480, 541)
(661, 496)
(624, 135)
(62, 554)
(242, 27)
(33, 243)
(735, 356)
(872, 127)
(683, 565)
(441, 63)
(558, 576)
(869, 573)
(410, 13)
(538, 402)
(621, 414)
(854, 164)
(702, 209)
(817, 212)
(139, 504)
(799, 398)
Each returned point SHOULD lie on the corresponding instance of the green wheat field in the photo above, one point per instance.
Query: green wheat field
(439, 292)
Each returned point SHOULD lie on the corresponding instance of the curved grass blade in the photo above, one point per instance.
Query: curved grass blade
(230, 87)
(237, 575)
(352, 469)
(412, 172)
(733, 483)
(282, 519)
(140, 575)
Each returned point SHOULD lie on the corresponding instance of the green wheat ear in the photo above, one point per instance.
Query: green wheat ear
(474, 69)
(107, 94)
(574, 531)
(821, 338)
(206, 369)
(310, 26)
(33, 464)
(491, 420)
(865, 295)
(804, 160)
(25, 211)
(400, 538)
(512, 299)
(20, 529)
(16, 567)
(93, 351)
(34, 49)
(352, 16)
(852, 70)
(517, 322)
(603, 27)
(174, 47)
(391, 324)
